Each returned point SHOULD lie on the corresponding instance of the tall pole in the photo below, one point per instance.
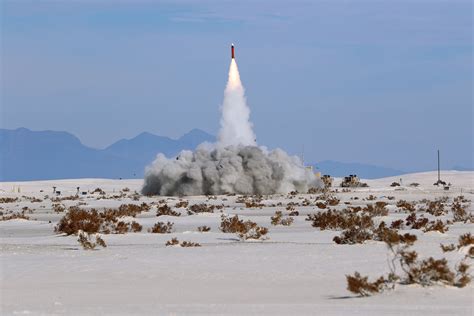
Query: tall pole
(439, 178)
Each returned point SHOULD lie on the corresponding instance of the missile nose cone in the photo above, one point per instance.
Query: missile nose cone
(232, 51)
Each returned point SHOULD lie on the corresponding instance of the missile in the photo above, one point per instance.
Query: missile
(232, 50)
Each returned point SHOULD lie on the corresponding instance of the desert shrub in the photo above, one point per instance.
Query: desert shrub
(414, 184)
(460, 213)
(14, 216)
(294, 213)
(461, 199)
(190, 244)
(77, 219)
(182, 204)
(360, 285)
(334, 219)
(204, 229)
(253, 204)
(398, 224)
(359, 234)
(438, 225)
(135, 227)
(313, 190)
(245, 230)
(121, 227)
(333, 201)
(58, 208)
(371, 198)
(166, 210)
(162, 228)
(353, 235)
(87, 243)
(395, 184)
(465, 240)
(174, 241)
(278, 219)
(99, 190)
(414, 222)
(435, 208)
(378, 210)
(8, 200)
(321, 205)
(201, 208)
(306, 202)
(406, 206)
(446, 248)
(125, 189)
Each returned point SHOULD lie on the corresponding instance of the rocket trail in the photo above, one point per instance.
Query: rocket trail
(236, 128)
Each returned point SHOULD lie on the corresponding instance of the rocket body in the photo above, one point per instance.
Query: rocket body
(232, 50)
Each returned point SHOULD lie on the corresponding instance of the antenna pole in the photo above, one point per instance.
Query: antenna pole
(439, 178)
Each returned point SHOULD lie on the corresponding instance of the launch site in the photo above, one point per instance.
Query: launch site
(290, 158)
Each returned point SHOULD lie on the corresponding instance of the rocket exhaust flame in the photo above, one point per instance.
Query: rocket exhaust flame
(234, 164)
(236, 128)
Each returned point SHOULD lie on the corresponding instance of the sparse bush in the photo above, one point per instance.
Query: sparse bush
(204, 229)
(77, 219)
(447, 248)
(406, 206)
(190, 244)
(166, 210)
(135, 227)
(175, 242)
(371, 198)
(8, 200)
(58, 208)
(182, 204)
(321, 205)
(278, 219)
(334, 219)
(14, 216)
(398, 224)
(245, 230)
(435, 208)
(294, 213)
(436, 226)
(395, 184)
(201, 208)
(86, 242)
(162, 228)
(98, 190)
(465, 240)
(377, 210)
(460, 213)
(360, 285)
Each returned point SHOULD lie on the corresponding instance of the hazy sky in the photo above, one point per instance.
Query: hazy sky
(382, 82)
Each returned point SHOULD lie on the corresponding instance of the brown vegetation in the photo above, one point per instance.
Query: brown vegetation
(161, 228)
(245, 230)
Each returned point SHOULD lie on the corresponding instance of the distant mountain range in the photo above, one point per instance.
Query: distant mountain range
(40, 155)
(31, 155)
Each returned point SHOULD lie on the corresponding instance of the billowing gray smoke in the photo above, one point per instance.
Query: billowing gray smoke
(232, 169)
(235, 164)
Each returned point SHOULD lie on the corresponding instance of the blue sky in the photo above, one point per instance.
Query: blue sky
(381, 82)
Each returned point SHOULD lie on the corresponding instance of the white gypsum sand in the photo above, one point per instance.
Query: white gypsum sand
(297, 270)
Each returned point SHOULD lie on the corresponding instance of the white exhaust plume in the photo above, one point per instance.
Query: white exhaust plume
(236, 128)
(234, 165)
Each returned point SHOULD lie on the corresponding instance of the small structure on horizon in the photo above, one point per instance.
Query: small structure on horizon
(440, 182)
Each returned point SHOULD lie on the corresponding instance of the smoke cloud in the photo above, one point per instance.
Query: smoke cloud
(234, 165)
